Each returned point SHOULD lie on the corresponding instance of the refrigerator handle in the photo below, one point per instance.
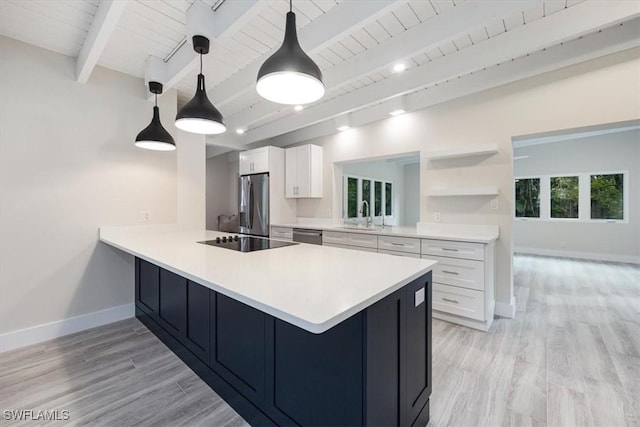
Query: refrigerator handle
(251, 205)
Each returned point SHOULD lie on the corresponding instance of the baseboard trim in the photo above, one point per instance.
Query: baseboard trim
(60, 328)
(627, 259)
(506, 310)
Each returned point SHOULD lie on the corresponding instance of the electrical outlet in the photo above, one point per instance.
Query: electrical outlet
(494, 204)
(144, 216)
(436, 216)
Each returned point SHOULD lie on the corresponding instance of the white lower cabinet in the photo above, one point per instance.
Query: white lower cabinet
(353, 248)
(397, 253)
(463, 281)
(282, 233)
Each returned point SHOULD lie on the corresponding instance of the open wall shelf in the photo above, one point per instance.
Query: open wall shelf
(459, 153)
(460, 192)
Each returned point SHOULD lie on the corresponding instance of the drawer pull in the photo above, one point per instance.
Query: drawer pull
(397, 244)
(450, 249)
(450, 300)
(450, 272)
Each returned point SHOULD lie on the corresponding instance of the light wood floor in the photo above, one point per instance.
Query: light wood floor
(571, 357)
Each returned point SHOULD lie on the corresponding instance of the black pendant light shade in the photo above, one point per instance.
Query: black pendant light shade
(290, 76)
(155, 136)
(199, 115)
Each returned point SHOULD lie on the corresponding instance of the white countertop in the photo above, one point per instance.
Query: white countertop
(438, 231)
(312, 287)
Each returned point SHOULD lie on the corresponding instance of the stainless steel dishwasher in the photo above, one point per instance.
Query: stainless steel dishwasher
(302, 235)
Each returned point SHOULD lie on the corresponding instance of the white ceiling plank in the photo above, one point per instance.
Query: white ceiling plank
(423, 9)
(610, 41)
(451, 23)
(328, 28)
(104, 22)
(228, 18)
(406, 16)
(391, 24)
(587, 17)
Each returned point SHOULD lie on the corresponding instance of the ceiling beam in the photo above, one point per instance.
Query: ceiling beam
(201, 20)
(104, 22)
(448, 25)
(616, 40)
(570, 23)
(327, 28)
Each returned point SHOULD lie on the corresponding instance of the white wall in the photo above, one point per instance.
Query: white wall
(411, 192)
(598, 240)
(599, 91)
(67, 166)
(217, 189)
(191, 160)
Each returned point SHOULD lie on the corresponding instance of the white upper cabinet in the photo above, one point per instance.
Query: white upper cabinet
(254, 161)
(303, 171)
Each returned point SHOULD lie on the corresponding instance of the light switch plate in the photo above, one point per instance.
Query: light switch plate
(494, 204)
(419, 297)
(144, 216)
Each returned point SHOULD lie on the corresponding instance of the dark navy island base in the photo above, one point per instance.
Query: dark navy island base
(372, 369)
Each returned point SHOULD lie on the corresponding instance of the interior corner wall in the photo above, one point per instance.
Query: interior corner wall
(68, 166)
(603, 90)
(618, 241)
(218, 177)
(192, 176)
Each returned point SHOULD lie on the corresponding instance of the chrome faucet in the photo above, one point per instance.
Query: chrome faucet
(369, 220)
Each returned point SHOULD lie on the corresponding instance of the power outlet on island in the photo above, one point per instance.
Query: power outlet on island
(144, 216)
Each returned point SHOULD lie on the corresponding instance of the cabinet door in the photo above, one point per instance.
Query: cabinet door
(147, 287)
(418, 346)
(238, 345)
(197, 337)
(260, 160)
(290, 178)
(315, 171)
(246, 160)
(303, 172)
(173, 303)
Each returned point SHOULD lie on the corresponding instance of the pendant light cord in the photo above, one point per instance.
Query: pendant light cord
(156, 94)
(290, 5)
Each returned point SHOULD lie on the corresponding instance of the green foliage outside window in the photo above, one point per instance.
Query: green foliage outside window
(564, 197)
(528, 198)
(352, 198)
(388, 198)
(607, 196)
(377, 194)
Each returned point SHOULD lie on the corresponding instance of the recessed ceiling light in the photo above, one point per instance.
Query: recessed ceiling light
(397, 112)
(239, 131)
(399, 67)
(298, 108)
(345, 127)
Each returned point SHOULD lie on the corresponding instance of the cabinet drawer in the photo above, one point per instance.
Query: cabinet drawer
(362, 240)
(282, 233)
(334, 237)
(353, 248)
(464, 273)
(396, 253)
(459, 301)
(453, 249)
(399, 244)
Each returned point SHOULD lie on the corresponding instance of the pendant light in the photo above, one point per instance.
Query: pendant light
(199, 115)
(290, 76)
(155, 136)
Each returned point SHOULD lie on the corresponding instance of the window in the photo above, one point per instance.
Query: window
(378, 194)
(564, 197)
(607, 196)
(582, 197)
(528, 198)
(352, 197)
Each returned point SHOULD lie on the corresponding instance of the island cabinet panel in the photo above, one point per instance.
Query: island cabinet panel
(173, 303)
(238, 337)
(197, 332)
(316, 379)
(147, 287)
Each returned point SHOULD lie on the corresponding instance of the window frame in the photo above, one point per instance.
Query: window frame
(584, 197)
(345, 196)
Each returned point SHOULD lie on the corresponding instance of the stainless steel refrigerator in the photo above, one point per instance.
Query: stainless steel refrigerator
(254, 204)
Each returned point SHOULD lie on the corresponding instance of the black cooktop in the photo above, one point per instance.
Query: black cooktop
(246, 243)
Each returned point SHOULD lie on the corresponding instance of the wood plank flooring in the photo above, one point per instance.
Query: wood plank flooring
(570, 357)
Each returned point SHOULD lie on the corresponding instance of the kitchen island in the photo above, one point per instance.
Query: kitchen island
(297, 335)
